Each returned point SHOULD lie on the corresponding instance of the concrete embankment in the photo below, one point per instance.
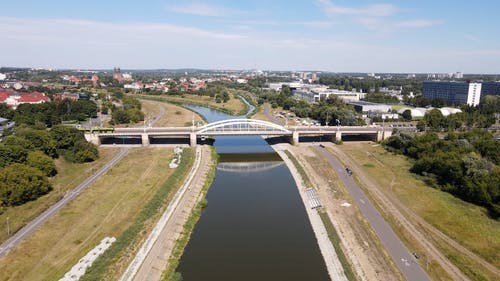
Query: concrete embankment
(333, 265)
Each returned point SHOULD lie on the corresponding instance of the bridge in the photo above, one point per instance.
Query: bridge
(236, 127)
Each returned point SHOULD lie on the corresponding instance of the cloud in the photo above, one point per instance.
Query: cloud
(418, 23)
(314, 24)
(377, 17)
(203, 9)
(373, 10)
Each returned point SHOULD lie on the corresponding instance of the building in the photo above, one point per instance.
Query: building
(453, 92)
(490, 89)
(14, 99)
(117, 75)
(66, 95)
(458, 92)
(365, 107)
(3, 76)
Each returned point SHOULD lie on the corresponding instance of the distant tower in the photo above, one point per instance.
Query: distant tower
(117, 75)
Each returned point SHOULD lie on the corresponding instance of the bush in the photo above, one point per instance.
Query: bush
(20, 183)
(42, 162)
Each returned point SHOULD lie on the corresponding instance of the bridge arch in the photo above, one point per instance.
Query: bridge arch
(242, 126)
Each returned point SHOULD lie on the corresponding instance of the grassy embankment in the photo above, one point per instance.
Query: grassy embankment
(68, 177)
(466, 223)
(332, 233)
(109, 207)
(170, 273)
(174, 116)
(352, 217)
(233, 107)
(114, 261)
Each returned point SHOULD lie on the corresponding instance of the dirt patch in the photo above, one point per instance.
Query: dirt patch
(367, 257)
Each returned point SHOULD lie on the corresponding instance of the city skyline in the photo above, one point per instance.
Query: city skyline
(324, 35)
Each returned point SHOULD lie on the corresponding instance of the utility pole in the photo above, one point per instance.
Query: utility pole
(8, 227)
(193, 121)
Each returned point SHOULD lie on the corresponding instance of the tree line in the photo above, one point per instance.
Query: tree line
(331, 111)
(464, 164)
(482, 116)
(27, 153)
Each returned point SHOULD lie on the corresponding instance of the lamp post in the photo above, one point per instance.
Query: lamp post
(8, 227)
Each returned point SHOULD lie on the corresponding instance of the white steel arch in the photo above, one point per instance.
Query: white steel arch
(243, 125)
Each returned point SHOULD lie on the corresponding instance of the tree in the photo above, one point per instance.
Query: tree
(6, 112)
(84, 152)
(12, 154)
(119, 116)
(434, 119)
(407, 115)
(135, 115)
(42, 162)
(65, 136)
(20, 183)
(39, 139)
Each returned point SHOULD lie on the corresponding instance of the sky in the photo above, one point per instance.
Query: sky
(424, 36)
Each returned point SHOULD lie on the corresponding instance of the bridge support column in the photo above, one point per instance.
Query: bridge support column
(380, 136)
(192, 139)
(145, 139)
(295, 138)
(387, 134)
(338, 135)
(93, 138)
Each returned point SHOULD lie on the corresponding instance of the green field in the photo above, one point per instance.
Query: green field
(69, 176)
(466, 223)
(107, 208)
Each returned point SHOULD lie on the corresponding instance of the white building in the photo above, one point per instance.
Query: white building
(3, 76)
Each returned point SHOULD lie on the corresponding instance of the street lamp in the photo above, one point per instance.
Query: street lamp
(8, 227)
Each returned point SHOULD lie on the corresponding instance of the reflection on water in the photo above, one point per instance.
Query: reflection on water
(255, 226)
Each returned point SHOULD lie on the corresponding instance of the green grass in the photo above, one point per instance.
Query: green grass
(305, 179)
(99, 269)
(466, 223)
(335, 239)
(332, 233)
(68, 177)
(170, 273)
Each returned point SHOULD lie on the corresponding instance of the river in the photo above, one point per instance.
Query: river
(255, 226)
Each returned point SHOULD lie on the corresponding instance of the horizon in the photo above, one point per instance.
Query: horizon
(339, 36)
(231, 70)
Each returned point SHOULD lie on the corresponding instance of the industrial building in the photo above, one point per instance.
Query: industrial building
(364, 106)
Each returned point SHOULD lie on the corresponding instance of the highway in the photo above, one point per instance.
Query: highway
(402, 257)
(24, 232)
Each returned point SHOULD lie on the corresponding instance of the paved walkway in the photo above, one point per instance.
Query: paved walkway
(403, 258)
(333, 265)
(152, 258)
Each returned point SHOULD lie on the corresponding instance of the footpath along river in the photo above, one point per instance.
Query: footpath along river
(255, 226)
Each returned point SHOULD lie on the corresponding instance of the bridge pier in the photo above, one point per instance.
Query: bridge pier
(382, 135)
(295, 138)
(387, 134)
(93, 138)
(192, 139)
(338, 135)
(145, 139)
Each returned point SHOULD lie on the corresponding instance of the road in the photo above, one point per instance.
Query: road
(24, 232)
(403, 258)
